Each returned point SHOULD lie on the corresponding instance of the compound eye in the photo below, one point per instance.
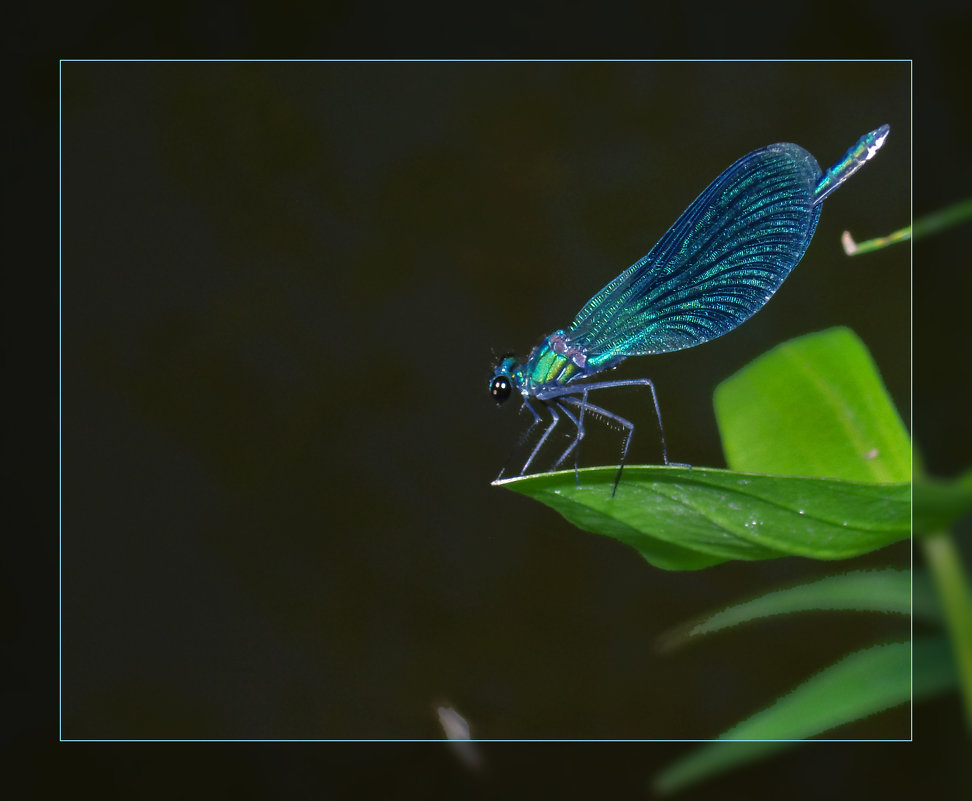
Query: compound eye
(500, 388)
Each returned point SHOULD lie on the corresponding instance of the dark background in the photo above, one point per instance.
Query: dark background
(283, 285)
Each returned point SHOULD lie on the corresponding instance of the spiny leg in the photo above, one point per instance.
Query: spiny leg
(573, 445)
(523, 437)
(661, 428)
(579, 422)
(580, 428)
(583, 405)
(536, 450)
(631, 382)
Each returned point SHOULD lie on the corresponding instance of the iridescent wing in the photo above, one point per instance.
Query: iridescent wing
(715, 267)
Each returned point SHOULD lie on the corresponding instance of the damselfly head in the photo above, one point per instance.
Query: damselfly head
(502, 383)
(500, 388)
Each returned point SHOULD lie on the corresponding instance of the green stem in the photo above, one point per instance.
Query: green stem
(934, 222)
(852, 248)
(945, 566)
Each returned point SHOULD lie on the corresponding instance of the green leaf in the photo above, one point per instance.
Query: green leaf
(886, 590)
(859, 685)
(686, 518)
(813, 406)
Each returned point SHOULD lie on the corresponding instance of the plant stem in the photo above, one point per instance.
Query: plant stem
(934, 222)
(945, 566)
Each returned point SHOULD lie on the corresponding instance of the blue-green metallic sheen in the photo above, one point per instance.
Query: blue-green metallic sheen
(717, 266)
(855, 158)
